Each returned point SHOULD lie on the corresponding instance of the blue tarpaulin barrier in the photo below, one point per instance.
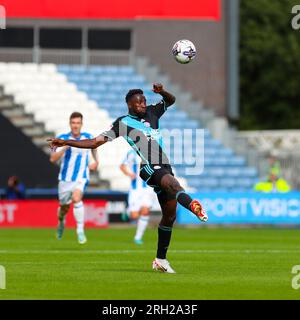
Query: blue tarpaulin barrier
(260, 208)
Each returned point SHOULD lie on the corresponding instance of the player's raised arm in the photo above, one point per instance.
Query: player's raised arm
(55, 156)
(84, 144)
(167, 96)
(124, 168)
(94, 143)
(93, 166)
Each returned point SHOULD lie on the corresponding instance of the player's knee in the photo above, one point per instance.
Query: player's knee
(171, 185)
(174, 188)
(134, 215)
(144, 211)
(76, 198)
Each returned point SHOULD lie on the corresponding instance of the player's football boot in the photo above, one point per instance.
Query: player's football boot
(138, 241)
(60, 229)
(81, 238)
(198, 210)
(162, 265)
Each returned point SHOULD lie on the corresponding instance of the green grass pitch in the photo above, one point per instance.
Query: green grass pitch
(221, 263)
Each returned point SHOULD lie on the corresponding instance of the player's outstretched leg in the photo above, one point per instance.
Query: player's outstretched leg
(79, 215)
(61, 214)
(168, 208)
(142, 224)
(172, 187)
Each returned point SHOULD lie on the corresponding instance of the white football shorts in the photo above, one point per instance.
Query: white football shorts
(140, 198)
(66, 188)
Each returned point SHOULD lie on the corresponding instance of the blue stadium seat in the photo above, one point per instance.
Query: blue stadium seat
(76, 78)
(98, 87)
(250, 172)
(227, 182)
(78, 69)
(85, 87)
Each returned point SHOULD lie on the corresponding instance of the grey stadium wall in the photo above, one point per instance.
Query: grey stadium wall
(205, 77)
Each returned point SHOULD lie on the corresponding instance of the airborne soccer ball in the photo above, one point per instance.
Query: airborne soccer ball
(184, 51)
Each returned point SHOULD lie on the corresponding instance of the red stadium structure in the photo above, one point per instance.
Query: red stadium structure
(114, 9)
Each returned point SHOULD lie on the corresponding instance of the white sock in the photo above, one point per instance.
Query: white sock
(161, 260)
(141, 227)
(79, 216)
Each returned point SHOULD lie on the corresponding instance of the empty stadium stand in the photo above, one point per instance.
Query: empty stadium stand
(52, 92)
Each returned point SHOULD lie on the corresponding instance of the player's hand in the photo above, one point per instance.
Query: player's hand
(54, 143)
(157, 87)
(132, 176)
(93, 166)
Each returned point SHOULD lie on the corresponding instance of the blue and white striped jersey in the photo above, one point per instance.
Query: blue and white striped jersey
(74, 163)
(133, 161)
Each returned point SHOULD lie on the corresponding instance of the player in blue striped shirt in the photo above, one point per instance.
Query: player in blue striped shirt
(73, 176)
(140, 195)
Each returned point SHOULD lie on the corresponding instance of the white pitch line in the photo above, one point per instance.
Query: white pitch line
(209, 251)
(72, 262)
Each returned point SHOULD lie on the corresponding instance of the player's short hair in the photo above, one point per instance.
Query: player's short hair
(132, 92)
(76, 115)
